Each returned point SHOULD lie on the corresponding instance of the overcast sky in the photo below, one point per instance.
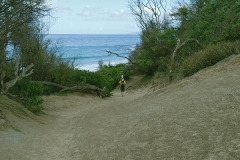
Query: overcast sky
(92, 17)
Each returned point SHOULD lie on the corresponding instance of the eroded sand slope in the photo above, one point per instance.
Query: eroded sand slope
(195, 118)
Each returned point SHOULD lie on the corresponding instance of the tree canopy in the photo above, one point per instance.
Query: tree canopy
(207, 21)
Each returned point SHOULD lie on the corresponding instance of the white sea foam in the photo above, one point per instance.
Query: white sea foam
(95, 67)
(90, 67)
(88, 50)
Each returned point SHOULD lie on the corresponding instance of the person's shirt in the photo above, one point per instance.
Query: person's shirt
(122, 82)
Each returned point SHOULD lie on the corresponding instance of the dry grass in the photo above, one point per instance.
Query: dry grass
(209, 57)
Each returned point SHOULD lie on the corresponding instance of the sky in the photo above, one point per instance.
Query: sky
(92, 17)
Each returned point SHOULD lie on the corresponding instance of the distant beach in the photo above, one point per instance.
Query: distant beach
(88, 49)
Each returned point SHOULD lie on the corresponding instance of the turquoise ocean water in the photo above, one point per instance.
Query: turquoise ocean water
(89, 49)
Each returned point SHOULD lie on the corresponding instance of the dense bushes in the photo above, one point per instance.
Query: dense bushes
(30, 93)
(210, 22)
(154, 53)
(209, 56)
(107, 77)
(215, 24)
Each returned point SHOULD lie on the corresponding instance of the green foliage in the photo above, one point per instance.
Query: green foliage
(30, 92)
(20, 20)
(60, 72)
(209, 56)
(110, 75)
(26, 88)
(155, 50)
(209, 21)
(33, 104)
(107, 77)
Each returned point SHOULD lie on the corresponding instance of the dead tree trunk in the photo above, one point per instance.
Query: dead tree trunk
(85, 88)
(25, 72)
(179, 46)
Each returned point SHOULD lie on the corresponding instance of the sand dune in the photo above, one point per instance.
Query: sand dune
(195, 118)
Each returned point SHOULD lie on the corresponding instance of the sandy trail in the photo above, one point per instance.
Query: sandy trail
(196, 118)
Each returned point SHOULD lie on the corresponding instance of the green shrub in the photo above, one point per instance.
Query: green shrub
(33, 104)
(30, 92)
(209, 56)
(107, 77)
(26, 88)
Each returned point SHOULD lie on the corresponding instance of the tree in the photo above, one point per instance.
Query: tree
(158, 36)
(18, 18)
(18, 76)
(179, 46)
(209, 21)
(148, 13)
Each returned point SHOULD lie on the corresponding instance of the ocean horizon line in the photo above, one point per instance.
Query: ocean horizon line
(93, 34)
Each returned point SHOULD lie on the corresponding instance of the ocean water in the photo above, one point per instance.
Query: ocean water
(88, 49)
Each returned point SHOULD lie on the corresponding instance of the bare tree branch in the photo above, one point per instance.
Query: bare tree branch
(110, 53)
(148, 12)
(91, 88)
(25, 72)
(179, 46)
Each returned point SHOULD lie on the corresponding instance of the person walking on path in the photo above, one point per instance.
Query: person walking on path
(122, 83)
